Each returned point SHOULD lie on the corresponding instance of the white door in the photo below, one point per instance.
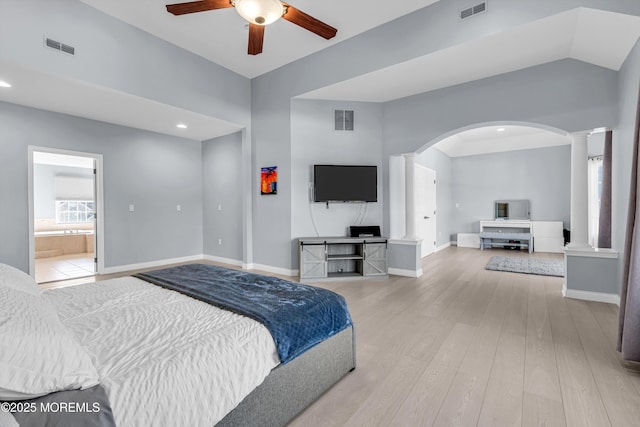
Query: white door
(425, 205)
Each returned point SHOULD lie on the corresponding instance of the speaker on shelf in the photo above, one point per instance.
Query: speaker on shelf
(364, 231)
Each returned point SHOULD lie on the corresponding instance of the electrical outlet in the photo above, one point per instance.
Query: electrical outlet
(178, 208)
(219, 241)
(132, 208)
(219, 207)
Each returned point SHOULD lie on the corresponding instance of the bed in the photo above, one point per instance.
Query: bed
(148, 354)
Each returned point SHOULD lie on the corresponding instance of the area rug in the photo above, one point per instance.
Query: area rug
(542, 267)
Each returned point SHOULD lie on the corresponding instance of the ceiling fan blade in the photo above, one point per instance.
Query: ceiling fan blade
(308, 22)
(256, 37)
(197, 6)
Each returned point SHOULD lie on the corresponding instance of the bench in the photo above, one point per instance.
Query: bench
(519, 239)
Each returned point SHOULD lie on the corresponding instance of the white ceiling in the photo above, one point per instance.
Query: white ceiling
(495, 139)
(222, 35)
(68, 96)
(597, 37)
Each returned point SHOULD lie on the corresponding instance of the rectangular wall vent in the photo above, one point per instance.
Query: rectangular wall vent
(343, 119)
(54, 44)
(473, 10)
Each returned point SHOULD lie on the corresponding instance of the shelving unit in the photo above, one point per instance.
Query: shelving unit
(546, 236)
(342, 257)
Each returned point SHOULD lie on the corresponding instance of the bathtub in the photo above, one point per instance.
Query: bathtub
(63, 242)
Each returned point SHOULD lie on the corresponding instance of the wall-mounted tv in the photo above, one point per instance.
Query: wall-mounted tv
(345, 183)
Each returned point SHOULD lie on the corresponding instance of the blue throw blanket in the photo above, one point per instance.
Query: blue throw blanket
(298, 316)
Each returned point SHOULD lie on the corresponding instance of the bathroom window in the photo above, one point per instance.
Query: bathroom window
(74, 211)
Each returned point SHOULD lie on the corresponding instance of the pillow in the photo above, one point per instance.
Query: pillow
(17, 279)
(38, 355)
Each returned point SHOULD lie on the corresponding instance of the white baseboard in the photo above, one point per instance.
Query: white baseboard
(230, 261)
(150, 264)
(592, 296)
(406, 273)
(441, 247)
(271, 269)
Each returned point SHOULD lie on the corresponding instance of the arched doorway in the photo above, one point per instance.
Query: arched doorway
(484, 162)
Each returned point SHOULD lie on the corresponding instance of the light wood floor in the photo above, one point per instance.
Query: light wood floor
(463, 346)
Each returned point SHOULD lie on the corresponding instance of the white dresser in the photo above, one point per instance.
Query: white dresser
(547, 236)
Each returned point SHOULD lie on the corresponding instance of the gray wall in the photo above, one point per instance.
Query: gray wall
(152, 171)
(591, 274)
(314, 141)
(568, 95)
(222, 187)
(403, 257)
(622, 151)
(270, 119)
(555, 96)
(111, 57)
(116, 55)
(542, 176)
(442, 164)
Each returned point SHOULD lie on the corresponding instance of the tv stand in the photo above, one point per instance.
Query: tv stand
(336, 258)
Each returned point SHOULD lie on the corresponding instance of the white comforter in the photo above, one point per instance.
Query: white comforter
(165, 359)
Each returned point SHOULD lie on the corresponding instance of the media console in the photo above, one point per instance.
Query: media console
(334, 258)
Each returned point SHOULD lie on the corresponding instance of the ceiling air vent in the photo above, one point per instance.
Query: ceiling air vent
(53, 44)
(473, 10)
(343, 119)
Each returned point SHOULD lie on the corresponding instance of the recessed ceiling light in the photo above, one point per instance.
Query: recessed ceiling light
(181, 126)
(501, 129)
(4, 84)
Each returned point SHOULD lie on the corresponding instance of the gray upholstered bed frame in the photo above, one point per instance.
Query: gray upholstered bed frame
(290, 388)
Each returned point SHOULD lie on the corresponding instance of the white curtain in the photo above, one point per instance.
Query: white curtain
(595, 182)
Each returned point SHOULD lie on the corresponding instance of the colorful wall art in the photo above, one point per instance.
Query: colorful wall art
(269, 180)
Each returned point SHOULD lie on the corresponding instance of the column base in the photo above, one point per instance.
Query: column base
(579, 246)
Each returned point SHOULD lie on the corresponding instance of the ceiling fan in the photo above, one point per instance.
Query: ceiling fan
(259, 13)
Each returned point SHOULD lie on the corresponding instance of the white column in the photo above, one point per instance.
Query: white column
(409, 202)
(579, 192)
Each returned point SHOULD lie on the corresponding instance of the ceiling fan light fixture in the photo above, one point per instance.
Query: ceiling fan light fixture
(260, 12)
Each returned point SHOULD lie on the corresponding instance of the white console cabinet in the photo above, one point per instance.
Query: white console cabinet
(548, 236)
(342, 257)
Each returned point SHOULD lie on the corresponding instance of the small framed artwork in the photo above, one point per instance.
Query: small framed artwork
(269, 180)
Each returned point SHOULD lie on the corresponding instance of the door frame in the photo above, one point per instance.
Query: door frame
(99, 204)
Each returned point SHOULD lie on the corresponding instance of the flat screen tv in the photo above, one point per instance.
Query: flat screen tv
(345, 183)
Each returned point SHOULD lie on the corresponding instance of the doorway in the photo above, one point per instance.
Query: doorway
(425, 205)
(64, 202)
